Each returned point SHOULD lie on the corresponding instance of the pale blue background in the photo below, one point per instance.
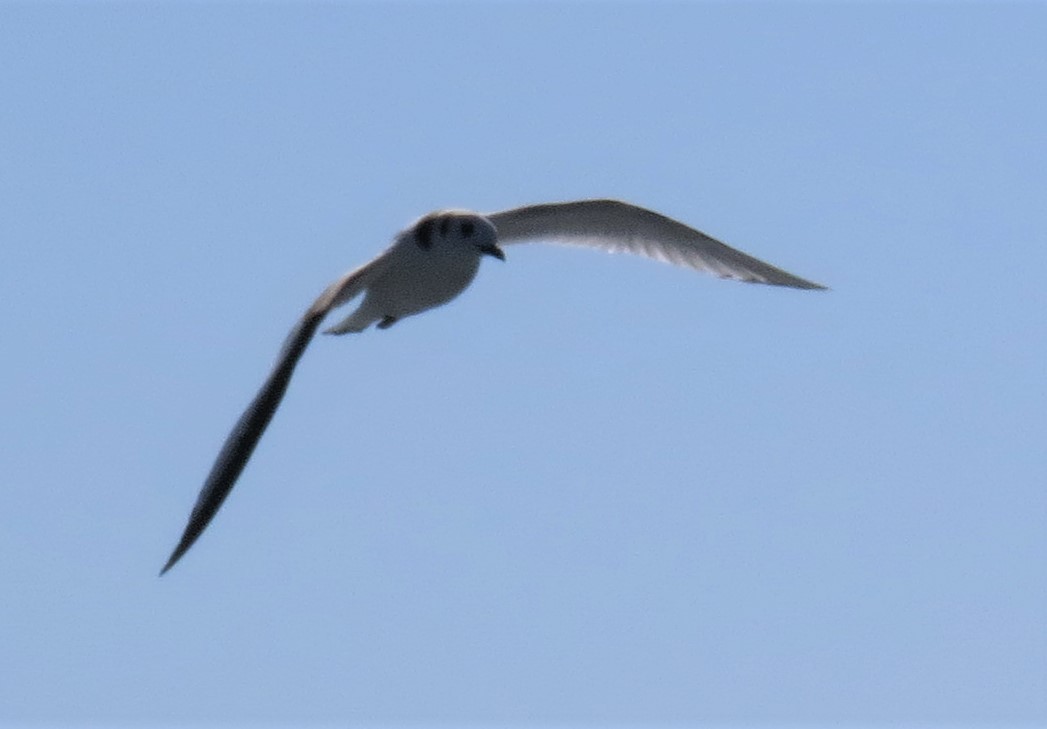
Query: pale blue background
(593, 489)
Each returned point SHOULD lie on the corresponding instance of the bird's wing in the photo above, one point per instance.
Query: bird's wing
(248, 430)
(620, 227)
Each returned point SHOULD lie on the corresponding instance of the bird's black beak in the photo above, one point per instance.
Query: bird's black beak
(493, 250)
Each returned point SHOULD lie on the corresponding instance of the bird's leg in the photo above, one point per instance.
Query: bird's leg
(387, 321)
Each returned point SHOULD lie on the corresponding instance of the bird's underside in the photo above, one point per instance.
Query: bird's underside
(432, 262)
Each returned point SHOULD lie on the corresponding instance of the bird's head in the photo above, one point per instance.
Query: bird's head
(458, 230)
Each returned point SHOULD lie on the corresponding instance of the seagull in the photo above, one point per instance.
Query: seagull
(435, 259)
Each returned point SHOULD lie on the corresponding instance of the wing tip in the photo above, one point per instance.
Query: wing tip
(170, 563)
(793, 282)
(811, 286)
(176, 555)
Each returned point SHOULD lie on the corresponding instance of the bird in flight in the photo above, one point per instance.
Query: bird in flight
(433, 261)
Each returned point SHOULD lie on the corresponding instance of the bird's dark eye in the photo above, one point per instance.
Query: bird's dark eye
(467, 228)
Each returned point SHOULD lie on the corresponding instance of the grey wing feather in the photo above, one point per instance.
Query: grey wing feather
(617, 226)
(241, 441)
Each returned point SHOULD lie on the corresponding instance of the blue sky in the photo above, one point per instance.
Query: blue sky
(593, 488)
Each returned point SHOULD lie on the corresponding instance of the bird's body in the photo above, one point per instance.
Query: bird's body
(429, 264)
(432, 262)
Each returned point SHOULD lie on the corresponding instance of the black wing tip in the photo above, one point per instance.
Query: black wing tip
(811, 286)
(170, 563)
(176, 555)
(791, 283)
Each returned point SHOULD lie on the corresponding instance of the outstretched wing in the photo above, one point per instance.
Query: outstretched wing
(248, 430)
(620, 227)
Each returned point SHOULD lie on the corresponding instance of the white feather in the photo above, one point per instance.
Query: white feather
(619, 227)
